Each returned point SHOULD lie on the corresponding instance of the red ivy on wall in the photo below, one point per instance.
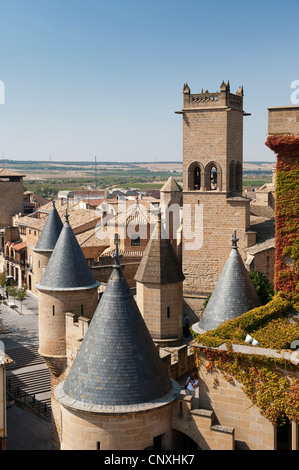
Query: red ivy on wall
(283, 144)
(286, 209)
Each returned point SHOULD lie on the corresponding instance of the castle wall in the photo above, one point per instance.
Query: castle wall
(12, 200)
(162, 309)
(200, 426)
(102, 273)
(264, 262)
(283, 120)
(283, 139)
(233, 408)
(129, 431)
(52, 309)
(207, 243)
(53, 338)
(40, 261)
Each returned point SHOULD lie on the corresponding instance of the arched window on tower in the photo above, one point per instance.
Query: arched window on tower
(232, 177)
(213, 177)
(195, 177)
(239, 179)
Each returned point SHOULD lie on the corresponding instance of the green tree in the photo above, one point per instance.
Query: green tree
(2, 281)
(22, 294)
(12, 290)
(262, 285)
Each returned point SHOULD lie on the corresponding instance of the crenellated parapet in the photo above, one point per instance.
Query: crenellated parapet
(223, 98)
(178, 362)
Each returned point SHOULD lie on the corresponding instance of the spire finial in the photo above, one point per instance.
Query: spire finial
(116, 255)
(66, 216)
(53, 200)
(235, 240)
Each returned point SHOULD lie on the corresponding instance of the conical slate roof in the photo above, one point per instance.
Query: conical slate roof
(233, 295)
(67, 268)
(159, 263)
(117, 367)
(50, 232)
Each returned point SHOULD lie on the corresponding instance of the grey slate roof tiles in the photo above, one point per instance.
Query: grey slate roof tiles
(50, 232)
(117, 366)
(233, 295)
(67, 268)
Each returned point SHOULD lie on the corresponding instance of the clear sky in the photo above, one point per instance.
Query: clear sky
(86, 78)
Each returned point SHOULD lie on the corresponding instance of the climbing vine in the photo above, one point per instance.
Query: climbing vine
(269, 382)
(257, 322)
(286, 147)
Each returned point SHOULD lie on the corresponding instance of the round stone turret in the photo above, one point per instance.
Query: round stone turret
(233, 295)
(116, 380)
(46, 244)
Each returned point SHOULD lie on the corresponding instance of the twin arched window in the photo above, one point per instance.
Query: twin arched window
(209, 178)
(206, 178)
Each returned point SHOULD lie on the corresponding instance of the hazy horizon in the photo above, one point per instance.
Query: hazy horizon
(86, 79)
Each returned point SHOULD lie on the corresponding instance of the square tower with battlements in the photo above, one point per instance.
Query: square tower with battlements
(213, 206)
(11, 196)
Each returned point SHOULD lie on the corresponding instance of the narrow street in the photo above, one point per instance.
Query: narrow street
(27, 375)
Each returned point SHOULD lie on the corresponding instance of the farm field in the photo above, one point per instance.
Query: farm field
(48, 178)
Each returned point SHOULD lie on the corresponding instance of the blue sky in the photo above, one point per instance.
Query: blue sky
(86, 78)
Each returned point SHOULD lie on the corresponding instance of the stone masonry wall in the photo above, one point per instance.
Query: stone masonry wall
(12, 201)
(129, 431)
(203, 264)
(162, 309)
(233, 408)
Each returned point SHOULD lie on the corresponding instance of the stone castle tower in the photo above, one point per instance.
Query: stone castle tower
(11, 196)
(117, 394)
(159, 289)
(67, 285)
(46, 243)
(213, 206)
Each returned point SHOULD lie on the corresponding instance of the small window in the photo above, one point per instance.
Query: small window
(168, 312)
(135, 240)
(98, 446)
(53, 311)
(82, 310)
